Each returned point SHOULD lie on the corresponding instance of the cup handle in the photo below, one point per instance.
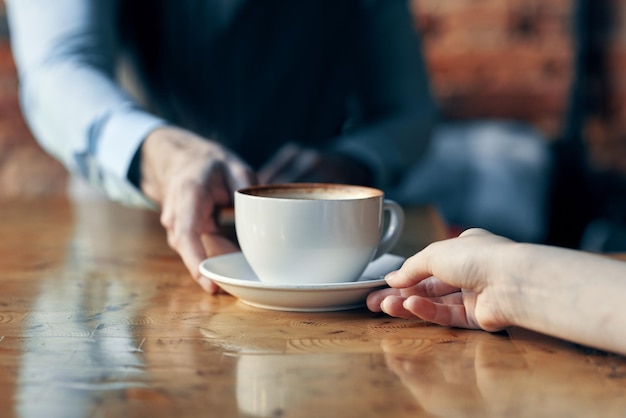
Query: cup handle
(392, 233)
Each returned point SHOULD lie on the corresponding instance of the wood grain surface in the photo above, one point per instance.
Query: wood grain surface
(99, 318)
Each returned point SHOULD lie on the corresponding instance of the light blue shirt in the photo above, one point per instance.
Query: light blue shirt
(64, 52)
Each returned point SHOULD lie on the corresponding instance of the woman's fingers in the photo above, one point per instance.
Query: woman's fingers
(375, 298)
(445, 314)
(417, 307)
(394, 305)
(432, 287)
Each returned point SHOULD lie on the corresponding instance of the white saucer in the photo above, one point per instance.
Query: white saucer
(233, 274)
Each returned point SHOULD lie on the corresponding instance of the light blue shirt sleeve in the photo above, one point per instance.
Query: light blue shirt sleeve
(65, 55)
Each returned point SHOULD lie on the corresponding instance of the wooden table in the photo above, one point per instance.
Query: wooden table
(98, 318)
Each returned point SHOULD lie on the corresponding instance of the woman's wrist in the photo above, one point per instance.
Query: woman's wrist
(536, 280)
(511, 282)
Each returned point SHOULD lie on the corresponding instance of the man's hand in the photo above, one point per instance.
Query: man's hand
(293, 163)
(191, 178)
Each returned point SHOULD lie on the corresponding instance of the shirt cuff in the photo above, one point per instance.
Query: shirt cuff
(121, 138)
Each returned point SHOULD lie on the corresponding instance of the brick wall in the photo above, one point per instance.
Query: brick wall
(499, 59)
(487, 59)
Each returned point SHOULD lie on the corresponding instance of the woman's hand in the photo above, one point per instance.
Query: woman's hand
(454, 282)
(191, 178)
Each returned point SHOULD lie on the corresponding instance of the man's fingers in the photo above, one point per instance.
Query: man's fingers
(192, 253)
(291, 163)
(216, 244)
(239, 175)
(277, 164)
(184, 230)
(193, 249)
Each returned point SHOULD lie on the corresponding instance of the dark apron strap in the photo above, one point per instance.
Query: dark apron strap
(570, 208)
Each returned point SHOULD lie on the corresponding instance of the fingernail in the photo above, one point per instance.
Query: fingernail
(206, 284)
(382, 305)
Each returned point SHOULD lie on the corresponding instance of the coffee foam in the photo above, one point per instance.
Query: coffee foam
(303, 191)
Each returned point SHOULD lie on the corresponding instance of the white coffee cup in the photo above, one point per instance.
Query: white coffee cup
(314, 233)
